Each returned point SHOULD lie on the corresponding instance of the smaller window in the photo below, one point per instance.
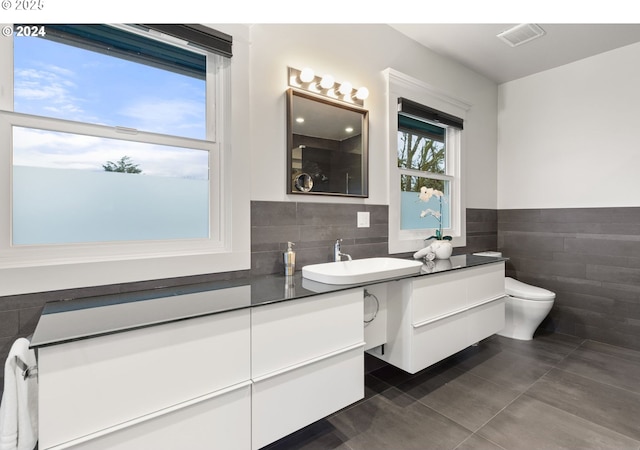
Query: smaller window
(425, 176)
(425, 179)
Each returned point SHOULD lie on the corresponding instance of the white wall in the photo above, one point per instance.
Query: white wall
(359, 53)
(569, 137)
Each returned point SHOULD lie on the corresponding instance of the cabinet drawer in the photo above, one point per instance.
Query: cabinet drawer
(437, 340)
(288, 401)
(441, 295)
(488, 320)
(485, 282)
(92, 384)
(437, 295)
(220, 420)
(288, 333)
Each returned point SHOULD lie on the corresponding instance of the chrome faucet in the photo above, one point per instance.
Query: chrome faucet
(337, 252)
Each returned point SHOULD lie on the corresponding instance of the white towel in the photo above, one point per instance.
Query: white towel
(426, 252)
(19, 408)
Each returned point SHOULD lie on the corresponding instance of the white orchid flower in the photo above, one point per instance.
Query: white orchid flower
(429, 211)
(425, 193)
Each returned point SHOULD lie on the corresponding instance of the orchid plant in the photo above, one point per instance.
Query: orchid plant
(425, 195)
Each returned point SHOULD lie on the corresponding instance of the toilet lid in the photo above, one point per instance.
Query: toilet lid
(519, 289)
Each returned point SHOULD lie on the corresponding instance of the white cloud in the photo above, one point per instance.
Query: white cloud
(39, 148)
(166, 116)
(50, 88)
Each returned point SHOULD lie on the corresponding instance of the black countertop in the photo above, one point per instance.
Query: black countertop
(83, 318)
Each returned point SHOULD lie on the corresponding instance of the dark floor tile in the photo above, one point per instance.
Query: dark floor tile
(374, 386)
(475, 442)
(320, 435)
(545, 346)
(503, 366)
(611, 407)
(392, 375)
(463, 397)
(530, 424)
(603, 367)
(393, 420)
(620, 352)
(372, 363)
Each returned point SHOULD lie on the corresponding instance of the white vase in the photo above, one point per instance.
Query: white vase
(442, 249)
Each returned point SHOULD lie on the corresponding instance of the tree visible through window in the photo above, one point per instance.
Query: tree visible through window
(124, 165)
(422, 158)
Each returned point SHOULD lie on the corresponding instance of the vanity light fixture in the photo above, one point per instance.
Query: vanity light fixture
(327, 82)
(362, 93)
(326, 85)
(307, 75)
(345, 88)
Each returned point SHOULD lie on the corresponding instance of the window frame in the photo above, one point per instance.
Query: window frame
(34, 268)
(400, 85)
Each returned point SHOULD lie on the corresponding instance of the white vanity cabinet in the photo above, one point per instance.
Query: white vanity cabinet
(430, 318)
(184, 384)
(244, 378)
(307, 362)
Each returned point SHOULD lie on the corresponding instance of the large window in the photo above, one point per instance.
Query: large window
(94, 185)
(425, 190)
(112, 143)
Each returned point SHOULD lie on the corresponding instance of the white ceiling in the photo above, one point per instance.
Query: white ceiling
(477, 47)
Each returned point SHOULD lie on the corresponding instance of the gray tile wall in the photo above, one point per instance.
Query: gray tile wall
(482, 231)
(590, 257)
(315, 227)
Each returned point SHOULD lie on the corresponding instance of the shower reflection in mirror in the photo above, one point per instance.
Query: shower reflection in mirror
(327, 146)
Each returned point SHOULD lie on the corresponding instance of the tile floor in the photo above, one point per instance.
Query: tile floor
(555, 392)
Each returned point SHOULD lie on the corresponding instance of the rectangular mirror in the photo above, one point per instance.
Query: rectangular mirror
(327, 146)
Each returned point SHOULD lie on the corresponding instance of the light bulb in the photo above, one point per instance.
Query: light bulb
(327, 82)
(306, 75)
(345, 88)
(362, 93)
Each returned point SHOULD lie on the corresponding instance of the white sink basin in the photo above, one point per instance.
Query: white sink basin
(360, 270)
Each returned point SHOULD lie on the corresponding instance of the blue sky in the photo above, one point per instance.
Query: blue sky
(65, 82)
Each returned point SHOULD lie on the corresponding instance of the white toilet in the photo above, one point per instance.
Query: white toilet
(525, 309)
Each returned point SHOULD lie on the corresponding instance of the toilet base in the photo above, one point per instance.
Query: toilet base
(522, 317)
(518, 334)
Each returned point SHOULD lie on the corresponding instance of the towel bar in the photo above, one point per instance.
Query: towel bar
(27, 372)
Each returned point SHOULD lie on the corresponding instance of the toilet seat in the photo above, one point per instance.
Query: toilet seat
(518, 289)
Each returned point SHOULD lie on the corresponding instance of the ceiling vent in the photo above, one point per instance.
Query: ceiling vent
(521, 34)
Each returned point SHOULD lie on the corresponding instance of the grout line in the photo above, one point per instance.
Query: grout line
(593, 379)
(585, 420)
(481, 437)
(621, 388)
(553, 366)
(441, 414)
(610, 354)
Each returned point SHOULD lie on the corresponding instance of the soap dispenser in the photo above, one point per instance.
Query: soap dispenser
(289, 260)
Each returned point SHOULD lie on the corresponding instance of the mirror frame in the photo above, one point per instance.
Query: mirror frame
(291, 93)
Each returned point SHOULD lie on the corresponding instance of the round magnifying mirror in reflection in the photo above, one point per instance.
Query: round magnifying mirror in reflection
(303, 182)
